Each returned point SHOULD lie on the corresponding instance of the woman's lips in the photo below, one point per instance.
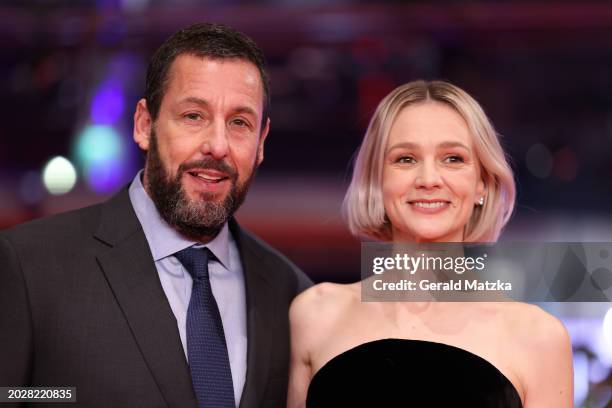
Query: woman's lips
(429, 206)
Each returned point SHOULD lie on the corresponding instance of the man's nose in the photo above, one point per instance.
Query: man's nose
(429, 175)
(215, 141)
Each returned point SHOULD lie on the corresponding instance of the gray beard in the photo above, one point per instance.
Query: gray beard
(194, 218)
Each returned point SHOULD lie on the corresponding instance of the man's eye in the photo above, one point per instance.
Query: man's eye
(240, 122)
(193, 116)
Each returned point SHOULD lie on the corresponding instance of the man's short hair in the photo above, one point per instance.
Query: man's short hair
(363, 205)
(207, 40)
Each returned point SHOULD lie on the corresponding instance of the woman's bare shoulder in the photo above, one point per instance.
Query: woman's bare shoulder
(322, 308)
(546, 366)
(324, 299)
(539, 336)
(533, 325)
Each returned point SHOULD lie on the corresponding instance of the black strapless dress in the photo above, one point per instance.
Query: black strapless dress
(410, 373)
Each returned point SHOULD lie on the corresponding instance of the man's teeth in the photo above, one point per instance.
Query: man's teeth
(435, 204)
(208, 178)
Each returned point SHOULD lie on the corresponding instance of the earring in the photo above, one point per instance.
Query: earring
(481, 201)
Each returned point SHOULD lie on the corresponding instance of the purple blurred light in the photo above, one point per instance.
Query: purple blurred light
(107, 176)
(108, 4)
(31, 188)
(111, 30)
(108, 103)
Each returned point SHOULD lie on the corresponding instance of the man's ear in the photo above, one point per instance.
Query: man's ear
(262, 139)
(142, 125)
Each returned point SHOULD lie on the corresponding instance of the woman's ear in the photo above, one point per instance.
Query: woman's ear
(481, 192)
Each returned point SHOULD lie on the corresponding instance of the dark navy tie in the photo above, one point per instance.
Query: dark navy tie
(206, 348)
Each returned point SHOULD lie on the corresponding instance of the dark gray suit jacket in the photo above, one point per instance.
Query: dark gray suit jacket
(81, 305)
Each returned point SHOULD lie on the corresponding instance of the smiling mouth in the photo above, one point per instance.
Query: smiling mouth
(430, 207)
(210, 178)
(429, 204)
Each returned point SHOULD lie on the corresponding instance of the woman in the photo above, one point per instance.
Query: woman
(430, 169)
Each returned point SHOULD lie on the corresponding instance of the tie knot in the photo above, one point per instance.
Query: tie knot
(195, 260)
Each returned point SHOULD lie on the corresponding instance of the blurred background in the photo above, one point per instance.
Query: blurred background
(72, 70)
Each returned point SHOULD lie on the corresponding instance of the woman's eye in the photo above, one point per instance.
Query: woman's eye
(405, 159)
(454, 159)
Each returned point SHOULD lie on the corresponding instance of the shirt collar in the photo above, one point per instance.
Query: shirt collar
(165, 240)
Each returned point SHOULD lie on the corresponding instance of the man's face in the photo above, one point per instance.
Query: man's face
(206, 142)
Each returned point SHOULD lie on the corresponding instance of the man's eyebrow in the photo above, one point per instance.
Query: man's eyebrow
(194, 99)
(245, 110)
(203, 102)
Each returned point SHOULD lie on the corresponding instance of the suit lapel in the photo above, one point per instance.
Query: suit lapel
(132, 276)
(260, 298)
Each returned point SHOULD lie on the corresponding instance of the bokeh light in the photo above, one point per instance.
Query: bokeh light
(539, 160)
(59, 176)
(108, 103)
(607, 327)
(31, 189)
(581, 378)
(101, 154)
(565, 164)
(105, 177)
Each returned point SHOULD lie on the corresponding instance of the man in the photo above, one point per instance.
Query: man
(157, 298)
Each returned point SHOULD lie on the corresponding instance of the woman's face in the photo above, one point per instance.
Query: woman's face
(431, 177)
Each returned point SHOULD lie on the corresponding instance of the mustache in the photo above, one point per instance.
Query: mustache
(209, 163)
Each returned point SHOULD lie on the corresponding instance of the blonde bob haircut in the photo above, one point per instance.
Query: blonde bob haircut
(363, 205)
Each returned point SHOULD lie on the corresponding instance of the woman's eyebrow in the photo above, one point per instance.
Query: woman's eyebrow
(414, 146)
(403, 145)
(446, 145)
